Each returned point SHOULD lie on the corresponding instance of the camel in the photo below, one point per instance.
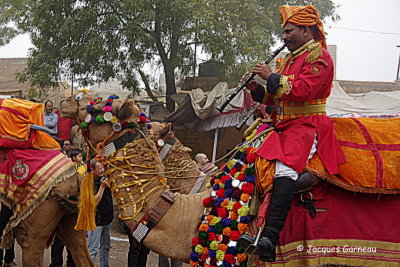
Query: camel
(137, 182)
(42, 205)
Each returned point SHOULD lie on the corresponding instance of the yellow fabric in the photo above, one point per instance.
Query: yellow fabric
(371, 167)
(303, 16)
(87, 205)
(294, 109)
(17, 127)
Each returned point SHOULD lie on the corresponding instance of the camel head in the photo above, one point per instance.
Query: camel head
(160, 130)
(91, 115)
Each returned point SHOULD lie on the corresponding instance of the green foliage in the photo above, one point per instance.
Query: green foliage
(100, 40)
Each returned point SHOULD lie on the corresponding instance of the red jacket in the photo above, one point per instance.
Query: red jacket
(305, 75)
(64, 127)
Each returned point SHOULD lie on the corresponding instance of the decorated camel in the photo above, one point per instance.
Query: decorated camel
(39, 186)
(346, 219)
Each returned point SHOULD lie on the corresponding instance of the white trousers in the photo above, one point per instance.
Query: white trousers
(281, 170)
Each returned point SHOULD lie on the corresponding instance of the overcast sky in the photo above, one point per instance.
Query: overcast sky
(366, 53)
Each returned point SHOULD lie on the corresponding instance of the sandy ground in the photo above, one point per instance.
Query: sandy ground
(118, 252)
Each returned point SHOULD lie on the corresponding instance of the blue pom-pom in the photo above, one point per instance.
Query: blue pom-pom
(212, 253)
(228, 184)
(228, 193)
(231, 250)
(226, 264)
(211, 228)
(194, 256)
(108, 103)
(215, 187)
(245, 219)
(89, 108)
(226, 222)
(251, 178)
(218, 201)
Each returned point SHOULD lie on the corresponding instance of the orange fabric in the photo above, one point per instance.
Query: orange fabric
(303, 16)
(17, 116)
(372, 150)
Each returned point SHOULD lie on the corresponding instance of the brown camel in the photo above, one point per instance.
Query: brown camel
(138, 165)
(36, 231)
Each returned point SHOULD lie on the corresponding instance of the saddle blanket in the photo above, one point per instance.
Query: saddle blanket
(17, 116)
(372, 150)
(27, 176)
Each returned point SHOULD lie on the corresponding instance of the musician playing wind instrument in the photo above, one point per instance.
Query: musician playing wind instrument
(298, 92)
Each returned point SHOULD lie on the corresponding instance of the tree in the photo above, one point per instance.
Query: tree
(99, 40)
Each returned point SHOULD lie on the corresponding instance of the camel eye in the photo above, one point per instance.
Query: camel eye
(79, 96)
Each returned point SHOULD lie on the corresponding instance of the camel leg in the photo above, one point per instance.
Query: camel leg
(34, 232)
(75, 241)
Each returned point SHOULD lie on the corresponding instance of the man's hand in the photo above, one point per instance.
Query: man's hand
(263, 70)
(252, 84)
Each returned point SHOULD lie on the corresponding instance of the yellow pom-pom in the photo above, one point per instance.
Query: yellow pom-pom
(243, 148)
(114, 119)
(220, 255)
(199, 249)
(230, 205)
(243, 211)
(214, 245)
(230, 164)
(83, 90)
(215, 220)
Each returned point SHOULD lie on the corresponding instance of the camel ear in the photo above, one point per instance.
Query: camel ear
(166, 129)
(127, 110)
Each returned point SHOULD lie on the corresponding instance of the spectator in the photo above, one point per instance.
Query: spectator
(137, 254)
(50, 118)
(63, 126)
(9, 254)
(77, 139)
(204, 164)
(57, 249)
(67, 147)
(99, 240)
(168, 262)
(77, 159)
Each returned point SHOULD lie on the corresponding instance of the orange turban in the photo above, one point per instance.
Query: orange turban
(304, 16)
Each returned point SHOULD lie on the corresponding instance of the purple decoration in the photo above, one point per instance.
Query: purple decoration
(218, 201)
(231, 250)
(89, 108)
(194, 256)
(251, 178)
(228, 184)
(226, 222)
(212, 253)
(228, 193)
(245, 219)
(215, 187)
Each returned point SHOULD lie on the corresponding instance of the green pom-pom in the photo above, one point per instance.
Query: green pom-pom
(99, 119)
(218, 228)
(220, 175)
(239, 249)
(237, 155)
(234, 225)
(208, 242)
(132, 125)
(84, 125)
(203, 235)
(249, 171)
(243, 264)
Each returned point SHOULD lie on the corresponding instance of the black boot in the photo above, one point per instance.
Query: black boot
(282, 196)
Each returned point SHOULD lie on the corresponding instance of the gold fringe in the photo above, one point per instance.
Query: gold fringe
(315, 50)
(17, 218)
(87, 205)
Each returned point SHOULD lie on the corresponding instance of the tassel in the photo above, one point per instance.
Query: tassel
(87, 205)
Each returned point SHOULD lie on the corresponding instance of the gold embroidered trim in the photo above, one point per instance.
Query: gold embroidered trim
(286, 86)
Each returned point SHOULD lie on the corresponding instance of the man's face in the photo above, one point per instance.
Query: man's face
(203, 161)
(67, 146)
(49, 107)
(98, 170)
(294, 36)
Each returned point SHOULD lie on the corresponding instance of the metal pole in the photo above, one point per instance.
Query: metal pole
(398, 67)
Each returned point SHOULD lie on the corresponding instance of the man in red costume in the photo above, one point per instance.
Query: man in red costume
(297, 92)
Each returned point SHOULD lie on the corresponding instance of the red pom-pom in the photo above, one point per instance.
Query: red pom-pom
(235, 235)
(233, 171)
(220, 192)
(211, 236)
(225, 178)
(195, 241)
(236, 206)
(213, 262)
(222, 212)
(208, 202)
(241, 177)
(204, 256)
(124, 124)
(230, 258)
(142, 119)
(251, 158)
(248, 188)
(248, 150)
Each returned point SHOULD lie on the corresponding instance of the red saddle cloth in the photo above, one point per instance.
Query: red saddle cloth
(27, 177)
